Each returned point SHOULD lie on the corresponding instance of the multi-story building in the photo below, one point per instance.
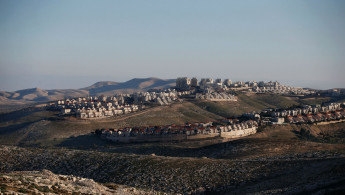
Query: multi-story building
(183, 83)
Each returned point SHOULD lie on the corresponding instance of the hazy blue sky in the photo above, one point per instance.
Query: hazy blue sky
(72, 44)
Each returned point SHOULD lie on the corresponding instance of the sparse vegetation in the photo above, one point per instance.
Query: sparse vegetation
(315, 100)
(246, 103)
(333, 133)
(276, 101)
(227, 165)
(254, 164)
(46, 182)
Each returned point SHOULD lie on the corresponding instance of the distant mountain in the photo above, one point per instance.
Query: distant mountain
(99, 88)
(100, 84)
(37, 94)
(131, 86)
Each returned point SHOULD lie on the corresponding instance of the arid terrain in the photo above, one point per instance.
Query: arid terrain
(38, 182)
(275, 160)
(172, 97)
(42, 151)
(10, 101)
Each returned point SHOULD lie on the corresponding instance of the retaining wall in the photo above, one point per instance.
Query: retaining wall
(239, 133)
(148, 138)
(180, 137)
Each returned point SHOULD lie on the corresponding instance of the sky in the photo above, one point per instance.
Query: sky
(63, 44)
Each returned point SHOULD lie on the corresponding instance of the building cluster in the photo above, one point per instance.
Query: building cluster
(216, 96)
(308, 109)
(228, 128)
(95, 107)
(310, 114)
(317, 117)
(252, 115)
(189, 129)
(270, 88)
(209, 85)
(276, 88)
(107, 106)
(162, 97)
(186, 93)
(106, 112)
(304, 114)
(185, 83)
(207, 88)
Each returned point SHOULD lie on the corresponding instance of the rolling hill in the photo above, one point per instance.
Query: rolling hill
(26, 127)
(34, 139)
(246, 103)
(131, 86)
(34, 95)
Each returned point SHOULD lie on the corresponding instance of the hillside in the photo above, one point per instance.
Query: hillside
(44, 181)
(43, 127)
(246, 103)
(34, 139)
(40, 127)
(256, 164)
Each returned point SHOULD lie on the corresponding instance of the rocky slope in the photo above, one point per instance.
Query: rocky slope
(46, 182)
(294, 173)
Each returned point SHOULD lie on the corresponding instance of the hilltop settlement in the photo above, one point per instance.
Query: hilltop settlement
(100, 107)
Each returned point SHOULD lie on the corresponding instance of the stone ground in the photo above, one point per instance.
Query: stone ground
(277, 160)
(46, 182)
(309, 172)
